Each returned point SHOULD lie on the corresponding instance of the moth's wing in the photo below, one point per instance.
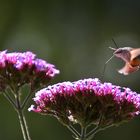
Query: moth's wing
(127, 69)
(135, 53)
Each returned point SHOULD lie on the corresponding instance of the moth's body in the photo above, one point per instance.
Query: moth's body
(131, 57)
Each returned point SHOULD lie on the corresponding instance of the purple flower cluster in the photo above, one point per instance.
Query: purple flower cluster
(17, 69)
(85, 101)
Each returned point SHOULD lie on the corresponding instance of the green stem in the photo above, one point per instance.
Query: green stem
(23, 125)
(92, 133)
(22, 120)
(16, 103)
(26, 100)
(9, 98)
(83, 133)
(74, 131)
(76, 135)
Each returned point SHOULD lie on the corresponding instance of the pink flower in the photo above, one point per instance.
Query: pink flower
(85, 101)
(24, 68)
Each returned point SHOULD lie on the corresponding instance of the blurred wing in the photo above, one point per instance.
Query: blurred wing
(135, 53)
(127, 69)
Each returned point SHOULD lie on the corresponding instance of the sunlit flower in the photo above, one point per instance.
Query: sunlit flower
(86, 101)
(17, 69)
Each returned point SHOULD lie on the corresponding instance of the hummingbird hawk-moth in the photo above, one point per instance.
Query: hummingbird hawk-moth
(131, 57)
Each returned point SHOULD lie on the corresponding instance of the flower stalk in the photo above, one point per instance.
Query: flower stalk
(83, 133)
(75, 133)
(18, 69)
(20, 111)
(22, 119)
(23, 125)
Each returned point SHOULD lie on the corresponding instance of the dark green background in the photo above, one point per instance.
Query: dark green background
(75, 36)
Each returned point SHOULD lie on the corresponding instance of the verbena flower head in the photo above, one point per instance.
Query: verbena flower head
(86, 101)
(17, 69)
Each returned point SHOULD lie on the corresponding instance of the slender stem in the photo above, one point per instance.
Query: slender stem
(8, 97)
(23, 125)
(74, 131)
(22, 120)
(26, 100)
(94, 131)
(91, 134)
(83, 133)
(108, 126)
(97, 130)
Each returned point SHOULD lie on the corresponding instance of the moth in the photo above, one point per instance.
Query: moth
(131, 57)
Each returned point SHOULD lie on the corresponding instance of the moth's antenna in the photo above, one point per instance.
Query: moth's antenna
(115, 43)
(105, 66)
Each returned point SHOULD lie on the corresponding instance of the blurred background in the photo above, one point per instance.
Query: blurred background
(75, 36)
